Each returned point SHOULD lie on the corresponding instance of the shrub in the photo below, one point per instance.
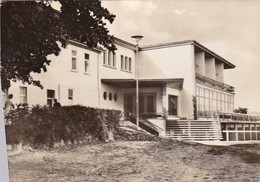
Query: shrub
(45, 126)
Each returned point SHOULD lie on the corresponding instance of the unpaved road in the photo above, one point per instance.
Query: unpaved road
(125, 161)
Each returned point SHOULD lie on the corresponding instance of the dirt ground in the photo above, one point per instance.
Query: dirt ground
(137, 161)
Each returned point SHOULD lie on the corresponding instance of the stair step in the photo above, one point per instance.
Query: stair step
(194, 130)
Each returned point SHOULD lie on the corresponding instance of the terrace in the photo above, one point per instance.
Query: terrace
(214, 84)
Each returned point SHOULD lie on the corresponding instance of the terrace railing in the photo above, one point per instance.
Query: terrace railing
(223, 116)
(220, 85)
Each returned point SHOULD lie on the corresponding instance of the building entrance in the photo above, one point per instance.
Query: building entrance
(147, 104)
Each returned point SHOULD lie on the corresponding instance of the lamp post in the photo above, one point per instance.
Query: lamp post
(137, 38)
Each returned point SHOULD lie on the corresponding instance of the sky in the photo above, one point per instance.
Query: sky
(230, 28)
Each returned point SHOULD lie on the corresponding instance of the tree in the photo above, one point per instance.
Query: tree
(241, 110)
(31, 31)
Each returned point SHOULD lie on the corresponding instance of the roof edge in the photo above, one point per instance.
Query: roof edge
(228, 64)
(124, 43)
(169, 44)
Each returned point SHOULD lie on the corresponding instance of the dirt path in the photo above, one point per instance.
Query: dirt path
(138, 161)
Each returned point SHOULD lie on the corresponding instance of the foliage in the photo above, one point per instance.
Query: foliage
(44, 126)
(241, 110)
(31, 31)
(194, 103)
(133, 134)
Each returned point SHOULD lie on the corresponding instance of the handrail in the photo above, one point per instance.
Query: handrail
(142, 120)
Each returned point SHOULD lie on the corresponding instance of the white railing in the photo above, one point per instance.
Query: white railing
(223, 116)
(193, 129)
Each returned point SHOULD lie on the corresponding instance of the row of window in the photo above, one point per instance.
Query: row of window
(110, 96)
(50, 96)
(210, 101)
(74, 62)
(126, 63)
(109, 59)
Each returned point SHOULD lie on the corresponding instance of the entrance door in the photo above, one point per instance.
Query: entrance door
(147, 104)
(129, 105)
(173, 105)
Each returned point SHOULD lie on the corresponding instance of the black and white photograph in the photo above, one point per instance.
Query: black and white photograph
(130, 91)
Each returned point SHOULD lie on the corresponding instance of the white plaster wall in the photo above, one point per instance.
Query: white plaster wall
(210, 68)
(219, 72)
(106, 72)
(160, 123)
(200, 63)
(87, 88)
(172, 62)
(60, 78)
(111, 104)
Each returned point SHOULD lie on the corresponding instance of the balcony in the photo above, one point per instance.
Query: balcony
(214, 84)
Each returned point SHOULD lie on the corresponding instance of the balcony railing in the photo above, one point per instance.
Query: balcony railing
(214, 83)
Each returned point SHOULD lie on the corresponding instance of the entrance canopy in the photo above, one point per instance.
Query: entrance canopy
(176, 83)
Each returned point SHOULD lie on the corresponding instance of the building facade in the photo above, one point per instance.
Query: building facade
(179, 80)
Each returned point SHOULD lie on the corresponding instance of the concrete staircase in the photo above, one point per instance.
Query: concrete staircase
(194, 130)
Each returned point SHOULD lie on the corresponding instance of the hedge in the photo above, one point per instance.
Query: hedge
(45, 126)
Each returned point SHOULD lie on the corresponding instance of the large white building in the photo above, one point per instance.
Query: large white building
(180, 79)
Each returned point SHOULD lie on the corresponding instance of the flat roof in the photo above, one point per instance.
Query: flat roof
(131, 83)
(198, 46)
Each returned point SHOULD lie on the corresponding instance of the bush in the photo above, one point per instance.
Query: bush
(44, 126)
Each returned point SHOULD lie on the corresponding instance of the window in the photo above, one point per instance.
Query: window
(105, 95)
(210, 101)
(74, 60)
(50, 97)
(115, 97)
(104, 57)
(172, 105)
(70, 96)
(110, 60)
(86, 56)
(126, 63)
(74, 64)
(110, 96)
(74, 53)
(114, 60)
(23, 95)
(122, 62)
(87, 63)
(130, 64)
